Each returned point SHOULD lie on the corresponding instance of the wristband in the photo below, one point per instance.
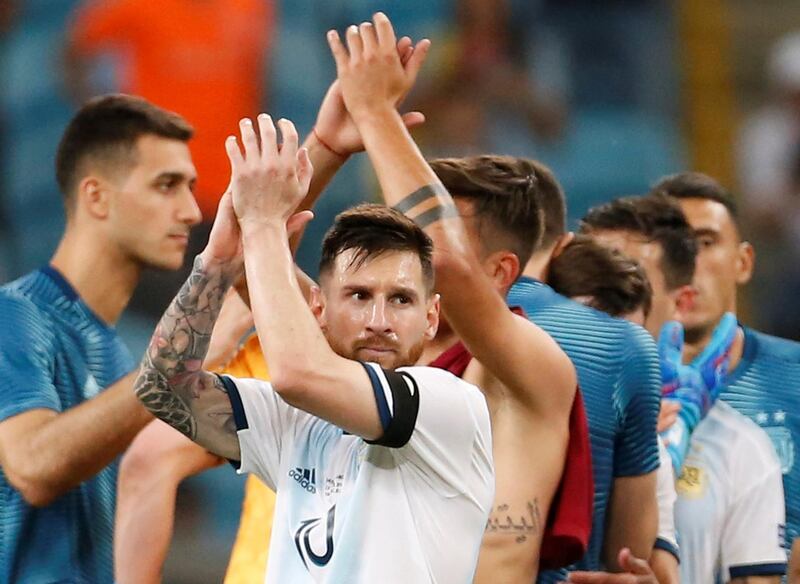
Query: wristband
(326, 145)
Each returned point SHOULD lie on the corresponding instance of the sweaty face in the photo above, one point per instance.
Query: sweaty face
(153, 206)
(720, 265)
(648, 254)
(378, 311)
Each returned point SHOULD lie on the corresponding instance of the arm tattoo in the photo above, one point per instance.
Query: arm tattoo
(502, 520)
(171, 381)
(428, 205)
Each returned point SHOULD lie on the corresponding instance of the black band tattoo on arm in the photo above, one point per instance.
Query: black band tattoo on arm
(171, 379)
(428, 205)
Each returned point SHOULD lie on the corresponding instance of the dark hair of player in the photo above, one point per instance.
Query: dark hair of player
(105, 131)
(372, 230)
(696, 185)
(657, 218)
(506, 193)
(615, 283)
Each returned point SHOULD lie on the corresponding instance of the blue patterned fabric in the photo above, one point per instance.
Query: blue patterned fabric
(55, 353)
(618, 372)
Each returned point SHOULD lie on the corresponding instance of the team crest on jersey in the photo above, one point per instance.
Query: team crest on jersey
(307, 540)
(692, 482)
(784, 446)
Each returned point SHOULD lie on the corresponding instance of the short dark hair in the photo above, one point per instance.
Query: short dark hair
(507, 194)
(372, 230)
(106, 129)
(696, 185)
(617, 284)
(657, 218)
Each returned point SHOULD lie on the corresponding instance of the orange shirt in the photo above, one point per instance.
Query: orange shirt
(203, 59)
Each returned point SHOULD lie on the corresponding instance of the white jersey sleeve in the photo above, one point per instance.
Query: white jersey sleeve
(665, 492)
(752, 538)
(435, 421)
(263, 423)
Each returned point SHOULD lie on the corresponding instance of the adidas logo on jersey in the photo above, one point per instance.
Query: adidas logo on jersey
(305, 477)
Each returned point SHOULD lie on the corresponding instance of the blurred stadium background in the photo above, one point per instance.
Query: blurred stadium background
(612, 95)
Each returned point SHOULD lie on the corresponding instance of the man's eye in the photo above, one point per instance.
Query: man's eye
(401, 300)
(705, 241)
(358, 296)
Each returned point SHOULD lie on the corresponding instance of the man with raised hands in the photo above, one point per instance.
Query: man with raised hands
(529, 383)
(395, 468)
(161, 458)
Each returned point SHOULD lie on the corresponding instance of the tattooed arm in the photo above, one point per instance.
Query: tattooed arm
(171, 382)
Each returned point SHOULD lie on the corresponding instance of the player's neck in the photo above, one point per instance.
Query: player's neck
(538, 266)
(692, 350)
(104, 280)
(444, 340)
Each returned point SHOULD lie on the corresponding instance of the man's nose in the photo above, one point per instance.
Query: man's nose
(378, 319)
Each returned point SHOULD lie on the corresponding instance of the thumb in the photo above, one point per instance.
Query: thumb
(298, 221)
(712, 362)
(633, 565)
(413, 119)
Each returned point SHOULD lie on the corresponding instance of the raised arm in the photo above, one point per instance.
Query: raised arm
(372, 76)
(268, 184)
(171, 382)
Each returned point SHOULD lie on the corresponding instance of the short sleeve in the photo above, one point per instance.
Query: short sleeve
(97, 23)
(666, 495)
(452, 428)
(27, 358)
(264, 422)
(752, 537)
(637, 402)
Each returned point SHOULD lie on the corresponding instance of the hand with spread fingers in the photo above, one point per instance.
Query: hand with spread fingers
(267, 181)
(334, 126)
(370, 70)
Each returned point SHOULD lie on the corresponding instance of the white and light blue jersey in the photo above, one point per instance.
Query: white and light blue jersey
(765, 387)
(730, 512)
(55, 353)
(411, 507)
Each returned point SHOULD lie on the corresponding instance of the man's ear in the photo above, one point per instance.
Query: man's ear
(504, 268)
(562, 242)
(93, 195)
(434, 309)
(745, 263)
(684, 301)
(316, 301)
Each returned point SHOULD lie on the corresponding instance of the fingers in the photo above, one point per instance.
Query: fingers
(298, 221)
(632, 564)
(668, 414)
(234, 154)
(383, 27)
(269, 136)
(288, 152)
(404, 49)
(369, 40)
(304, 170)
(354, 43)
(413, 119)
(417, 59)
(340, 55)
(249, 139)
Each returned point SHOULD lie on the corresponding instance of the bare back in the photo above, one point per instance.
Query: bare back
(529, 461)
